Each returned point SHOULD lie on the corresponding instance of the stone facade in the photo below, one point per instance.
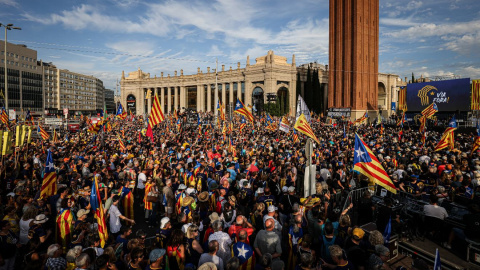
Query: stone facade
(270, 74)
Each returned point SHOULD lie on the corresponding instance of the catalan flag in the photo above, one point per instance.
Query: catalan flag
(402, 98)
(221, 109)
(55, 136)
(179, 125)
(476, 143)
(64, 229)
(95, 128)
(402, 119)
(231, 147)
(49, 185)
(243, 123)
(43, 133)
(430, 110)
(156, 115)
(29, 117)
(122, 114)
(302, 126)
(242, 110)
(423, 121)
(122, 145)
(475, 104)
(245, 254)
(127, 202)
(366, 163)
(98, 213)
(361, 120)
(382, 129)
(447, 140)
(294, 241)
(295, 136)
(4, 117)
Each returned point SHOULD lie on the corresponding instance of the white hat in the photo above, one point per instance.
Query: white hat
(284, 189)
(260, 190)
(40, 219)
(190, 191)
(291, 189)
(182, 186)
(11, 194)
(272, 208)
(164, 222)
(82, 212)
(387, 157)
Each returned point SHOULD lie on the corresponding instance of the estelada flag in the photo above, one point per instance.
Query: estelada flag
(243, 123)
(430, 110)
(447, 140)
(366, 163)
(43, 133)
(127, 202)
(242, 110)
(302, 126)
(49, 184)
(156, 115)
(64, 228)
(98, 213)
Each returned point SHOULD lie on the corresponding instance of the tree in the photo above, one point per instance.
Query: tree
(413, 78)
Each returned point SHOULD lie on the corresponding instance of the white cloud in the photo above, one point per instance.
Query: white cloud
(11, 3)
(432, 29)
(412, 5)
(133, 47)
(215, 51)
(467, 44)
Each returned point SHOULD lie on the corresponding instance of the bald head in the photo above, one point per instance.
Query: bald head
(239, 220)
(270, 224)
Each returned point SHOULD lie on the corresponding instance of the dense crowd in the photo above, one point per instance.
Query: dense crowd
(217, 198)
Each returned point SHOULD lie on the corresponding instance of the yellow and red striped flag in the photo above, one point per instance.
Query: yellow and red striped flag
(402, 98)
(302, 126)
(242, 110)
(95, 127)
(122, 145)
(98, 213)
(243, 123)
(366, 163)
(64, 228)
(43, 133)
(475, 104)
(430, 110)
(476, 144)
(55, 136)
(49, 185)
(4, 117)
(361, 120)
(423, 121)
(447, 140)
(127, 202)
(156, 115)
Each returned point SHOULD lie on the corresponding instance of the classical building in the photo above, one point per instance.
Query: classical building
(270, 74)
(24, 78)
(353, 55)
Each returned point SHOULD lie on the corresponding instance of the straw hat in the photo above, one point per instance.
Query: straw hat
(203, 197)
(40, 219)
(187, 201)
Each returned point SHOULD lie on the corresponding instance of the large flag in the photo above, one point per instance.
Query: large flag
(98, 213)
(65, 227)
(366, 163)
(430, 110)
(245, 254)
(361, 119)
(121, 113)
(302, 126)
(95, 128)
(438, 264)
(453, 122)
(302, 109)
(49, 185)
(402, 98)
(242, 110)
(447, 140)
(156, 115)
(284, 125)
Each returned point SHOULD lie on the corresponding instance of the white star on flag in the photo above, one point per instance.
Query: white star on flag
(242, 252)
(360, 152)
(49, 166)
(238, 104)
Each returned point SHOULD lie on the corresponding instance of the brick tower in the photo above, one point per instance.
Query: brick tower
(353, 55)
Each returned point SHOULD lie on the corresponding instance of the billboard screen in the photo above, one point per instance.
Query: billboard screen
(449, 95)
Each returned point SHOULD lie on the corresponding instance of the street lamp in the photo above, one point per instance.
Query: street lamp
(7, 27)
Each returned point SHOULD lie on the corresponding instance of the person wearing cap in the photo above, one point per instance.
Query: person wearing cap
(164, 233)
(155, 259)
(179, 195)
(356, 252)
(38, 229)
(272, 214)
(286, 203)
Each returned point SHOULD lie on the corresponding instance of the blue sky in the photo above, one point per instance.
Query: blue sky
(102, 38)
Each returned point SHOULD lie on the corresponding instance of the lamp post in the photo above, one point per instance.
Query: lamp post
(7, 27)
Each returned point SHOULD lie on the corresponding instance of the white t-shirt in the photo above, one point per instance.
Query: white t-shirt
(142, 178)
(435, 211)
(115, 214)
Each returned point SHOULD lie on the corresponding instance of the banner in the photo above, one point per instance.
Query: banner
(302, 108)
(449, 95)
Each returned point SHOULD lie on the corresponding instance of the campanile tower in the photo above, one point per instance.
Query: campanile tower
(353, 55)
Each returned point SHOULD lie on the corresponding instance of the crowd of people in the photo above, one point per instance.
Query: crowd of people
(216, 198)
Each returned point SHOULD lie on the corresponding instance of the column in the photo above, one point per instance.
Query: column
(224, 94)
(248, 93)
(209, 97)
(162, 98)
(169, 99)
(215, 93)
(176, 97)
(149, 101)
(199, 98)
(182, 97)
(293, 93)
(231, 93)
(239, 91)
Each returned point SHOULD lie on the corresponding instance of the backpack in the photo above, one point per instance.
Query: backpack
(218, 207)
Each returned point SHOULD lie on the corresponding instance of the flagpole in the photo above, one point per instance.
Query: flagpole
(216, 84)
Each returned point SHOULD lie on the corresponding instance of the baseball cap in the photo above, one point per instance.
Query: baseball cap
(164, 222)
(358, 233)
(284, 189)
(291, 189)
(272, 208)
(156, 254)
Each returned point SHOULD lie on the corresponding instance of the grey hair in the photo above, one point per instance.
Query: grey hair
(441, 189)
(82, 260)
(381, 250)
(73, 253)
(217, 225)
(52, 249)
(233, 264)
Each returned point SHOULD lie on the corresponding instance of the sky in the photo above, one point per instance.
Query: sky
(434, 38)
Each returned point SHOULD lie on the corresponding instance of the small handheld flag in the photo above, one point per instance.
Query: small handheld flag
(242, 110)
